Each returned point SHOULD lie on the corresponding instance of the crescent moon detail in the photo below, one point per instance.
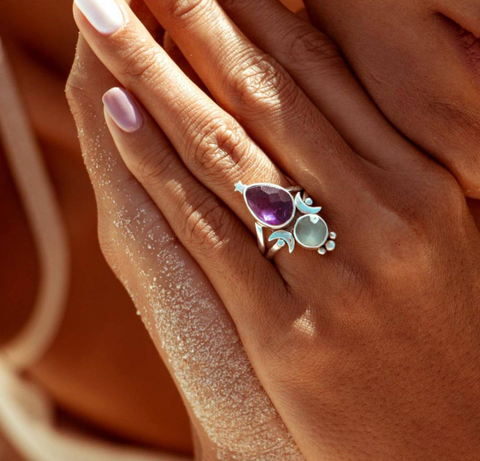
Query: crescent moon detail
(286, 237)
(304, 208)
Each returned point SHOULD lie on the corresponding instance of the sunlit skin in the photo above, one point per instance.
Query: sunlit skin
(373, 333)
(405, 55)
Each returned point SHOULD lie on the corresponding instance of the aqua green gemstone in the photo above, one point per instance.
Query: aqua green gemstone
(311, 231)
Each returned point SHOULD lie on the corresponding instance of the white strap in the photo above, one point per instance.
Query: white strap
(26, 418)
(44, 216)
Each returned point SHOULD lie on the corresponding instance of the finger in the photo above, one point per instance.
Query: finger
(211, 143)
(317, 66)
(207, 228)
(147, 18)
(146, 256)
(254, 88)
(215, 238)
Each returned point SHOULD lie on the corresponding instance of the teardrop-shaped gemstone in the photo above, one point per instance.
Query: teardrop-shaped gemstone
(311, 231)
(271, 205)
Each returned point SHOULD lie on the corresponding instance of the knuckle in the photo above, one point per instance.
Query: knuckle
(73, 88)
(402, 240)
(109, 248)
(447, 196)
(143, 62)
(154, 165)
(313, 49)
(431, 198)
(261, 82)
(108, 241)
(82, 96)
(184, 9)
(208, 226)
(403, 247)
(77, 93)
(411, 211)
(218, 149)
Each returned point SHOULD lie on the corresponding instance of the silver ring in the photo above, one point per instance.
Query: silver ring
(288, 219)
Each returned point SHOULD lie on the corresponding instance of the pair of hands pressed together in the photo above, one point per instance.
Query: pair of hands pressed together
(368, 353)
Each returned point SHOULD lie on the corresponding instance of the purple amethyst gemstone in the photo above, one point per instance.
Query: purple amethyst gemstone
(271, 205)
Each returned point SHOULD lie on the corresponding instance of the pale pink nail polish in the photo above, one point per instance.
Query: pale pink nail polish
(123, 109)
(104, 15)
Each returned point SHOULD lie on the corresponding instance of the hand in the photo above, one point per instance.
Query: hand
(418, 61)
(231, 414)
(366, 354)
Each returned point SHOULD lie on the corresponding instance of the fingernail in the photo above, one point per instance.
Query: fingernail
(123, 109)
(104, 15)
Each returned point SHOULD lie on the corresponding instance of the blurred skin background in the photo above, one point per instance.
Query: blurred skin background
(103, 371)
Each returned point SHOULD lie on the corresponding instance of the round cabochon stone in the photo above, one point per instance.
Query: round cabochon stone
(311, 231)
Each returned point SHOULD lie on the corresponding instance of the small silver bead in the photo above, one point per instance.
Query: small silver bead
(333, 235)
(330, 245)
(322, 251)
